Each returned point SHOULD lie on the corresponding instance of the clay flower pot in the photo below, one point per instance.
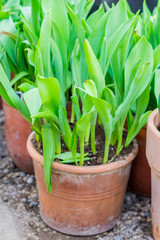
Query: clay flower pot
(153, 156)
(0, 103)
(17, 130)
(84, 200)
(140, 176)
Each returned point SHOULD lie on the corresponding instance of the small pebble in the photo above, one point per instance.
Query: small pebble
(5, 199)
(33, 204)
(22, 174)
(30, 180)
(24, 200)
(1, 174)
(6, 171)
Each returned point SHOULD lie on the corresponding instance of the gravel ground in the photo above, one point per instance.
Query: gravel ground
(18, 191)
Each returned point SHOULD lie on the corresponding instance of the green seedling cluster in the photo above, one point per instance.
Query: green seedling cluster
(105, 63)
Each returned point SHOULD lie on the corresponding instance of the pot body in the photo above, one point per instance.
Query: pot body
(17, 130)
(140, 176)
(0, 102)
(153, 156)
(84, 200)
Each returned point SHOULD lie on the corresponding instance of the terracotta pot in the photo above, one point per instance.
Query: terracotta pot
(153, 156)
(17, 130)
(0, 102)
(84, 200)
(140, 176)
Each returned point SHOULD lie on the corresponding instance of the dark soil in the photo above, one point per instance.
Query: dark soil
(96, 159)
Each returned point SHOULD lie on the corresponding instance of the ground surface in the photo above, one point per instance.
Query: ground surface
(19, 208)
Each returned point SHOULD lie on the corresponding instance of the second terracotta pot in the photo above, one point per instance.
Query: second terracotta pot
(0, 102)
(153, 156)
(140, 176)
(84, 200)
(17, 130)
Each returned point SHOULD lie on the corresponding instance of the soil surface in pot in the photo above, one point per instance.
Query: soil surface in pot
(95, 159)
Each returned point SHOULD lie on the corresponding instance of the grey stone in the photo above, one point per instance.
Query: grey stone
(1, 174)
(118, 238)
(30, 180)
(33, 204)
(6, 171)
(22, 174)
(24, 200)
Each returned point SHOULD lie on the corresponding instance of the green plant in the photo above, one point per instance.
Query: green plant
(148, 26)
(13, 43)
(115, 83)
(51, 36)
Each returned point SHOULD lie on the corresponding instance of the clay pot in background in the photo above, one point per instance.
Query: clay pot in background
(17, 130)
(84, 200)
(153, 156)
(140, 176)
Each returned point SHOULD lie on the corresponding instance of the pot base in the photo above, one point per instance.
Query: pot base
(70, 230)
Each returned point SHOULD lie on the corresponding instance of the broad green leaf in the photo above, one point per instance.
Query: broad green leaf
(90, 88)
(147, 57)
(44, 43)
(81, 126)
(18, 77)
(71, 160)
(69, 81)
(77, 24)
(48, 115)
(49, 90)
(95, 17)
(97, 35)
(38, 62)
(10, 95)
(57, 61)
(59, 15)
(116, 39)
(74, 145)
(24, 87)
(157, 84)
(94, 68)
(109, 96)
(30, 97)
(156, 57)
(60, 41)
(29, 32)
(86, 28)
(76, 71)
(76, 106)
(66, 131)
(142, 122)
(48, 153)
(142, 102)
(117, 17)
(31, 56)
(88, 7)
(36, 16)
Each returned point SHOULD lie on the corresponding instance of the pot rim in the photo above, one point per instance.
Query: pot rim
(83, 169)
(153, 121)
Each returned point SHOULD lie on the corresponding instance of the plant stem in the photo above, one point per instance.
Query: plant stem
(106, 151)
(72, 114)
(93, 145)
(87, 135)
(81, 143)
